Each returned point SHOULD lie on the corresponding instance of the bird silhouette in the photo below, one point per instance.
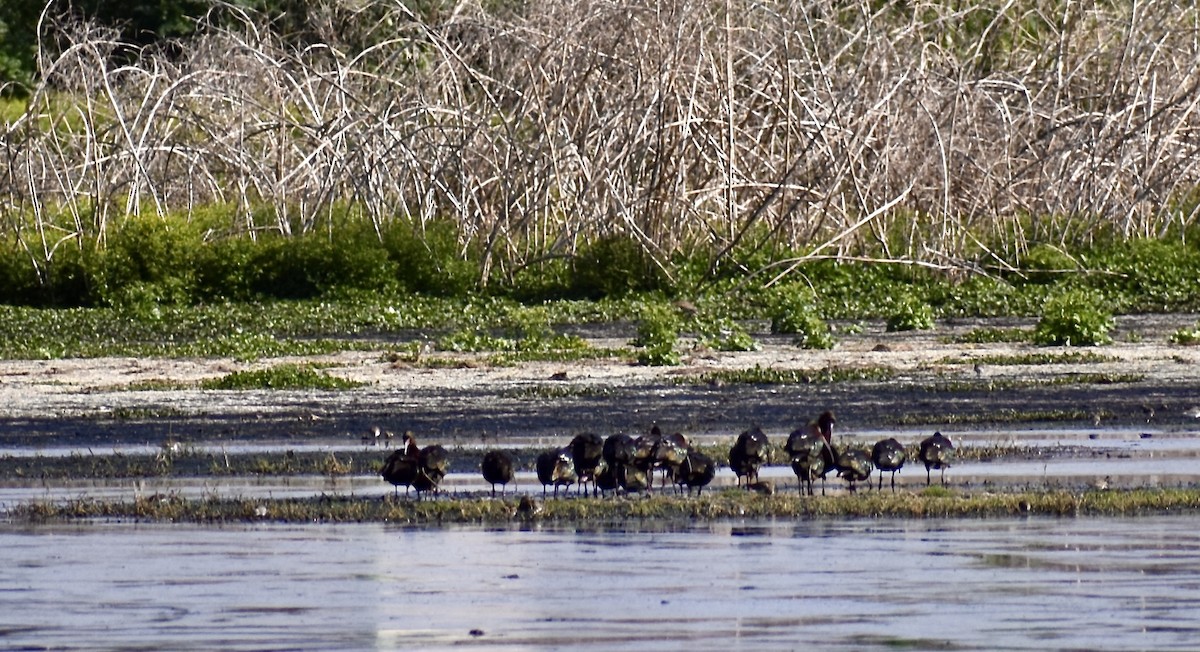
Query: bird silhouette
(936, 452)
(824, 424)
(619, 449)
(669, 454)
(432, 464)
(606, 479)
(888, 455)
(400, 468)
(587, 449)
(644, 448)
(555, 467)
(497, 468)
(751, 450)
(697, 471)
(854, 465)
(810, 455)
(632, 479)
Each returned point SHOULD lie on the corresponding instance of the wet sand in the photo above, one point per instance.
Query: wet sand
(936, 384)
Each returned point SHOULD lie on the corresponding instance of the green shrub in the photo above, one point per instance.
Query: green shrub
(544, 280)
(613, 266)
(724, 334)
(793, 311)
(148, 260)
(430, 259)
(228, 270)
(1074, 318)
(910, 314)
(1151, 275)
(1044, 264)
(19, 283)
(658, 333)
(307, 266)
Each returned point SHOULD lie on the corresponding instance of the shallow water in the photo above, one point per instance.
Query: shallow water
(1135, 471)
(1134, 441)
(1012, 584)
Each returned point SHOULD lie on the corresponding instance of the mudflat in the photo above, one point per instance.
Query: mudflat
(922, 380)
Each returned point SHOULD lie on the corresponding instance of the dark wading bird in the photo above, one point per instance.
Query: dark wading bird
(811, 456)
(854, 465)
(888, 455)
(824, 424)
(606, 480)
(400, 468)
(432, 464)
(497, 468)
(697, 471)
(632, 479)
(669, 454)
(555, 467)
(619, 449)
(749, 453)
(587, 450)
(936, 452)
(644, 448)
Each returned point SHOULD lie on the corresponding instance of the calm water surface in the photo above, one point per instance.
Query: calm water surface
(1019, 584)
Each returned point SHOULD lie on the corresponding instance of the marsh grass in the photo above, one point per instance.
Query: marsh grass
(1033, 358)
(1001, 416)
(153, 385)
(994, 335)
(1000, 384)
(545, 391)
(177, 459)
(759, 375)
(719, 505)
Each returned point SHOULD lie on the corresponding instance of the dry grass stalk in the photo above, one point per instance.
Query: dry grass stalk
(843, 130)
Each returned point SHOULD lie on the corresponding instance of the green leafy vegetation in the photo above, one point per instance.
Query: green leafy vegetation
(793, 311)
(284, 376)
(724, 334)
(911, 314)
(1188, 336)
(993, 384)
(658, 335)
(1074, 318)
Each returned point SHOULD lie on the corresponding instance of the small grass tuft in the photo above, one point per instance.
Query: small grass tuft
(1034, 358)
(994, 336)
(759, 375)
(1187, 336)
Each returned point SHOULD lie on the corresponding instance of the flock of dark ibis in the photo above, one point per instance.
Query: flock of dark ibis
(622, 463)
(813, 455)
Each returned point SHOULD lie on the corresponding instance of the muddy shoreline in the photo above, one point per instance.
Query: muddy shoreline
(936, 383)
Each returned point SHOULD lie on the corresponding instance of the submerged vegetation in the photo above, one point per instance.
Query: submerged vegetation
(725, 504)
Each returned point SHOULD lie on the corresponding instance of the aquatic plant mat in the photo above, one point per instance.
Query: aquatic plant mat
(730, 503)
